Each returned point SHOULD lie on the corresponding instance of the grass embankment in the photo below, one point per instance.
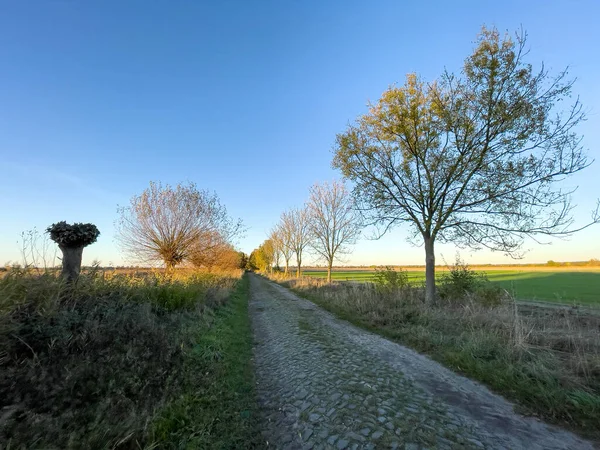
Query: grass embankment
(547, 361)
(570, 285)
(125, 362)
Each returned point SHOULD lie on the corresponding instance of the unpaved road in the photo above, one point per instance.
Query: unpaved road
(323, 383)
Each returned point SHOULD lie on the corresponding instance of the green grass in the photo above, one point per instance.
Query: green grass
(216, 409)
(561, 286)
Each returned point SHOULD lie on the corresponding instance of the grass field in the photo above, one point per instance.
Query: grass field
(561, 286)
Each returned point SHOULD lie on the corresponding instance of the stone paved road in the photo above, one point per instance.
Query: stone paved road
(325, 384)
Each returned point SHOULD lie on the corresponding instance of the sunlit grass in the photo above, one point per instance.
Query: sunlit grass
(562, 286)
(125, 360)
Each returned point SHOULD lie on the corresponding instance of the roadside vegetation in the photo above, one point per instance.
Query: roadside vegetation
(547, 360)
(125, 361)
(574, 285)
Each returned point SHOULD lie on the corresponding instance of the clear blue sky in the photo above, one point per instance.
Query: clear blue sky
(97, 98)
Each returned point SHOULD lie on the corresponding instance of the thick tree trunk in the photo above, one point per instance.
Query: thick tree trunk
(329, 272)
(71, 263)
(299, 263)
(169, 268)
(287, 267)
(429, 270)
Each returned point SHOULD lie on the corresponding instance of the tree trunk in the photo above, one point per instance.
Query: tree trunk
(169, 268)
(71, 263)
(329, 272)
(287, 267)
(299, 263)
(429, 270)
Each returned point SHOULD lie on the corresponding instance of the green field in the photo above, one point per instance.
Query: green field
(561, 286)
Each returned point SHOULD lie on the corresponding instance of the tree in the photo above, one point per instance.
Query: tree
(277, 247)
(71, 240)
(263, 256)
(212, 251)
(166, 224)
(333, 221)
(296, 220)
(252, 264)
(282, 234)
(472, 159)
(243, 259)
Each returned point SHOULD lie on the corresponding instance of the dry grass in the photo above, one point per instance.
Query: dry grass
(547, 359)
(107, 363)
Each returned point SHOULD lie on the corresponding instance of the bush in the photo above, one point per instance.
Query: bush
(388, 279)
(488, 294)
(461, 283)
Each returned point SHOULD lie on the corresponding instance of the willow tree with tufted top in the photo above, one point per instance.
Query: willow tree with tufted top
(71, 240)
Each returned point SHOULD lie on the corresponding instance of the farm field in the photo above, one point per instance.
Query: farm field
(578, 286)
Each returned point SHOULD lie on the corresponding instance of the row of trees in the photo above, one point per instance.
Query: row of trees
(473, 158)
(327, 225)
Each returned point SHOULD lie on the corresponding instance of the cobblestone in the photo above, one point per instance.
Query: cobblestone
(376, 393)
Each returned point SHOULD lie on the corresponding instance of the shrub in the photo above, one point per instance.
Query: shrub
(461, 283)
(489, 294)
(388, 279)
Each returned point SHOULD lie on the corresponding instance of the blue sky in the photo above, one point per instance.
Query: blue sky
(98, 98)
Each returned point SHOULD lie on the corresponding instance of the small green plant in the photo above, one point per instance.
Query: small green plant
(386, 278)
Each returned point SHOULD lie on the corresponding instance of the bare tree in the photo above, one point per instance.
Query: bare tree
(296, 221)
(282, 234)
(472, 159)
(276, 245)
(166, 224)
(334, 224)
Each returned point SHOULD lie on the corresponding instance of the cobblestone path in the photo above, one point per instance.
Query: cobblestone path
(325, 384)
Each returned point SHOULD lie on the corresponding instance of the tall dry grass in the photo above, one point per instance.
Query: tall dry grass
(89, 365)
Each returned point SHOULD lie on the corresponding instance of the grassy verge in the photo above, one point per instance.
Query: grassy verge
(125, 361)
(216, 408)
(548, 361)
